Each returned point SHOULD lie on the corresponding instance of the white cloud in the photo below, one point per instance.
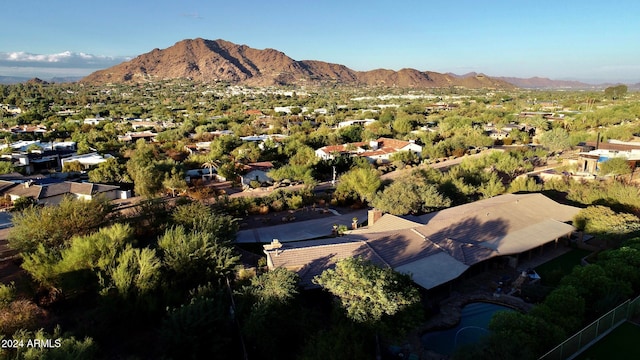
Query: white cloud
(66, 59)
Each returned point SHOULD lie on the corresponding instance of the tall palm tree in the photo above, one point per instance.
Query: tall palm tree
(211, 164)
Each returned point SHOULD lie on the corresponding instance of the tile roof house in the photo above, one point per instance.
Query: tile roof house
(439, 247)
(380, 149)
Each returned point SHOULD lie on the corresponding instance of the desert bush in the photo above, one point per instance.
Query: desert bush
(19, 314)
(7, 294)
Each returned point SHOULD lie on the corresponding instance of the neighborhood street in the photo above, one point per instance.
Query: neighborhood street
(302, 230)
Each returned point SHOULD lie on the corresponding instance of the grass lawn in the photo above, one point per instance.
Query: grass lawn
(621, 343)
(552, 271)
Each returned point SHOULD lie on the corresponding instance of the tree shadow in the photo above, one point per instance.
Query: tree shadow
(469, 241)
(314, 268)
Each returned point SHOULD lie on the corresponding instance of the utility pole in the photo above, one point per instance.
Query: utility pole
(333, 181)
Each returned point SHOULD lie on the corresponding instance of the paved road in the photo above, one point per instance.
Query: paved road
(442, 165)
(302, 230)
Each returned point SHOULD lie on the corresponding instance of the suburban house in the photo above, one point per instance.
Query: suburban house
(375, 150)
(595, 152)
(94, 121)
(27, 129)
(439, 247)
(500, 133)
(34, 156)
(11, 109)
(257, 172)
(588, 162)
(141, 124)
(135, 135)
(52, 194)
(86, 160)
(364, 122)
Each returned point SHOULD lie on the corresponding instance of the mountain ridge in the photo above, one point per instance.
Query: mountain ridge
(220, 60)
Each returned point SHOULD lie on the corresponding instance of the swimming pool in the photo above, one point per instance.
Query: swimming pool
(474, 321)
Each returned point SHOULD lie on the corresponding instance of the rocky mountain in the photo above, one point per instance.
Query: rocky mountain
(219, 60)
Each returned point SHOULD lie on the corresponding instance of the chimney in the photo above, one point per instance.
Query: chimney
(598, 142)
(373, 144)
(372, 216)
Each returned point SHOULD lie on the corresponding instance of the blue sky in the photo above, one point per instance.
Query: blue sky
(582, 40)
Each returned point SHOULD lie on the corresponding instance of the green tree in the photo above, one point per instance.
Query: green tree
(361, 183)
(492, 187)
(367, 292)
(563, 306)
(615, 166)
(143, 170)
(515, 329)
(555, 140)
(195, 257)
(198, 217)
(615, 92)
(52, 226)
(109, 171)
(72, 166)
(6, 167)
(77, 266)
(136, 273)
(200, 328)
(175, 182)
(270, 301)
(278, 285)
(604, 221)
(410, 195)
(524, 184)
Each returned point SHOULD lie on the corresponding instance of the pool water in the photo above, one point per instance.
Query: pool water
(474, 321)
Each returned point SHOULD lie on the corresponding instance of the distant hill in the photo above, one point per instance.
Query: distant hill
(540, 83)
(8, 80)
(219, 60)
(546, 83)
(65, 79)
(36, 81)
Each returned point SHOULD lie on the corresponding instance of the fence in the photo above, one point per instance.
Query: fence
(574, 345)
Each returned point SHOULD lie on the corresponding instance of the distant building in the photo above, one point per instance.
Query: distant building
(27, 129)
(52, 194)
(134, 136)
(364, 122)
(86, 160)
(94, 121)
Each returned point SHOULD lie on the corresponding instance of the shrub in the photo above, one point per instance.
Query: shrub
(277, 205)
(254, 184)
(19, 314)
(7, 294)
(295, 202)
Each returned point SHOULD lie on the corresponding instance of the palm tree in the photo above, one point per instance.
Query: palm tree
(211, 164)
